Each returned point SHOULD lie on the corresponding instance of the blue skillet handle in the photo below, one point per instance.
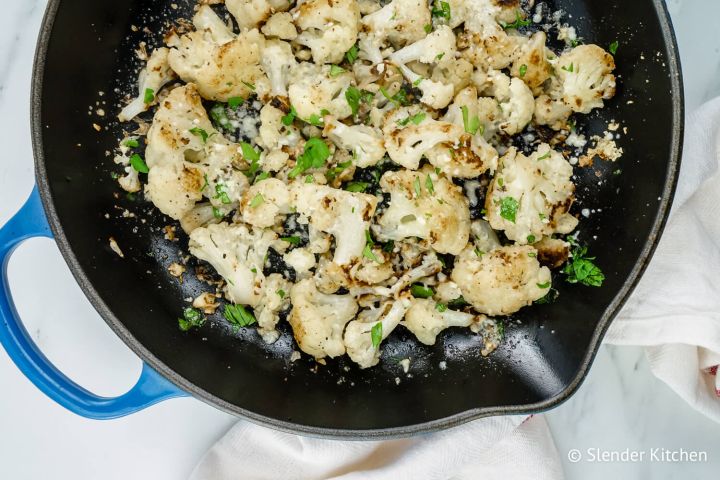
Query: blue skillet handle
(150, 389)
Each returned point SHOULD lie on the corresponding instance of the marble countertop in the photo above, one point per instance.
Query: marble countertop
(620, 405)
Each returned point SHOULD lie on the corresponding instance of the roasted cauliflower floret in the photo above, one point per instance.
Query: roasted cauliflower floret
(426, 319)
(398, 23)
(238, 255)
(365, 143)
(344, 215)
(359, 333)
(276, 298)
(552, 112)
(188, 159)
(408, 140)
(276, 138)
(434, 94)
(530, 196)
(327, 27)
(277, 61)
(502, 281)
(585, 75)
(531, 64)
(281, 26)
(263, 202)
(156, 74)
(313, 90)
(221, 64)
(430, 49)
(318, 320)
(251, 13)
(425, 205)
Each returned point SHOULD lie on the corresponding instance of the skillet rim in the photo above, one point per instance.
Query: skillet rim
(673, 168)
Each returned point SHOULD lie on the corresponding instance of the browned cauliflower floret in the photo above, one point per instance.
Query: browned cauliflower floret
(425, 319)
(425, 205)
(221, 64)
(263, 202)
(398, 23)
(530, 196)
(152, 78)
(503, 281)
(314, 90)
(251, 13)
(327, 27)
(585, 77)
(531, 64)
(318, 320)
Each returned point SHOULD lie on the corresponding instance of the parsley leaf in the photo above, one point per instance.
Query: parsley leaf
(429, 185)
(235, 102)
(217, 213)
(249, 153)
(251, 86)
(288, 119)
(355, 97)
(421, 291)
(131, 143)
(138, 163)
(531, 238)
(199, 132)
(472, 125)
(376, 334)
(543, 285)
(292, 240)
(441, 307)
(508, 208)
(352, 54)
(149, 96)
(522, 70)
(581, 269)
(238, 315)
(415, 119)
(416, 187)
(441, 10)
(191, 318)
(336, 70)
(518, 23)
(357, 187)
(367, 251)
(568, 68)
(613, 47)
(261, 177)
(221, 193)
(257, 200)
(314, 155)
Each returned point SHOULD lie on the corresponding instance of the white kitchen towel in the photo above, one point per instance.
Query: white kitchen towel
(674, 313)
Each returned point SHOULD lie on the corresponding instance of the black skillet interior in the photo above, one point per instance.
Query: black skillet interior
(547, 349)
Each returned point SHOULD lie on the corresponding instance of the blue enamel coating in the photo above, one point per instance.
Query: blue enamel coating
(150, 389)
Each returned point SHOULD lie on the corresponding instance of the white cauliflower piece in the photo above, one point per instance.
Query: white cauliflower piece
(487, 45)
(251, 13)
(358, 333)
(301, 260)
(399, 22)
(276, 298)
(406, 144)
(365, 143)
(552, 112)
(502, 281)
(531, 64)
(328, 28)
(425, 205)
(430, 49)
(453, 71)
(344, 215)
(264, 202)
(426, 321)
(586, 78)
(221, 64)
(277, 61)
(313, 90)
(156, 74)
(238, 255)
(434, 94)
(276, 137)
(183, 165)
(472, 155)
(530, 196)
(318, 320)
(518, 107)
(281, 26)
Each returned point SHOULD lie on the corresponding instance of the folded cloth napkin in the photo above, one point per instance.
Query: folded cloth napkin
(674, 313)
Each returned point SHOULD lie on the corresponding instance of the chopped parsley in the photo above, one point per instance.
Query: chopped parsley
(472, 125)
(217, 213)
(199, 132)
(352, 54)
(292, 240)
(251, 86)
(400, 98)
(429, 185)
(441, 307)
(281, 293)
(355, 97)
(518, 23)
(191, 318)
(289, 118)
(221, 193)
(131, 143)
(421, 291)
(309, 179)
(508, 208)
(149, 96)
(416, 187)
(262, 176)
(415, 119)
(238, 316)
(218, 114)
(522, 70)
(531, 238)
(376, 334)
(357, 187)
(337, 170)
(317, 120)
(427, 27)
(367, 251)
(459, 302)
(315, 154)
(257, 200)
(249, 152)
(550, 297)
(441, 10)
(235, 102)
(547, 155)
(543, 285)
(568, 68)
(581, 269)
(336, 70)
(613, 47)
(138, 163)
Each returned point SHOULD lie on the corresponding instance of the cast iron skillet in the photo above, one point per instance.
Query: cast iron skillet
(85, 49)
